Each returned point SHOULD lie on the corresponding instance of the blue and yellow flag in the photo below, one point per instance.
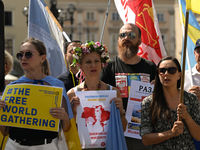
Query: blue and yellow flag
(193, 5)
(192, 36)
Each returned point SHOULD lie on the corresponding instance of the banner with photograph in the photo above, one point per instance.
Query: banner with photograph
(139, 90)
(93, 117)
(28, 106)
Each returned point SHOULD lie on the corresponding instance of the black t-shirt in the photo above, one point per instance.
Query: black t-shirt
(67, 79)
(31, 134)
(120, 74)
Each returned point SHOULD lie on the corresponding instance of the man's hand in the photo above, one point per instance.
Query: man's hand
(196, 90)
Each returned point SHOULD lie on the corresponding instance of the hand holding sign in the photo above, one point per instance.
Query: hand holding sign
(28, 106)
(2, 103)
(59, 113)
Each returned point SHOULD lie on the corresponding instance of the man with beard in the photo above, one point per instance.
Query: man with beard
(128, 66)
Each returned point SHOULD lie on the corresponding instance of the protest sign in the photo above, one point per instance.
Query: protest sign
(28, 106)
(93, 117)
(139, 90)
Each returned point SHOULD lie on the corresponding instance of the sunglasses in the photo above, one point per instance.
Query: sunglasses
(130, 35)
(28, 55)
(170, 70)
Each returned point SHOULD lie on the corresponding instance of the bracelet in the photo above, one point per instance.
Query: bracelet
(123, 114)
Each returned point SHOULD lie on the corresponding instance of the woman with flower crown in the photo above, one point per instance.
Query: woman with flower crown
(91, 57)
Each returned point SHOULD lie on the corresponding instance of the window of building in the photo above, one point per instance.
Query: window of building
(115, 16)
(114, 39)
(8, 18)
(9, 45)
(160, 17)
(90, 37)
(90, 16)
(164, 40)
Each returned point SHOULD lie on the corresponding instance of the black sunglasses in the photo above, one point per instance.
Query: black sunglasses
(170, 70)
(130, 35)
(28, 55)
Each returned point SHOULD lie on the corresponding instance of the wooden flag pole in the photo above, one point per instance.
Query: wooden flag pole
(184, 58)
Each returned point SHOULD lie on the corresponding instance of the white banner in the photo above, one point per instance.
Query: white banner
(93, 117)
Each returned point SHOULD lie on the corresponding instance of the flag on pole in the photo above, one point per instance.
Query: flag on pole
(193, 34)
(193, 5)
(143, 14)
(44, 26)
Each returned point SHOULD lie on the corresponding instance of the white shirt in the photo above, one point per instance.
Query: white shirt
(195, 77)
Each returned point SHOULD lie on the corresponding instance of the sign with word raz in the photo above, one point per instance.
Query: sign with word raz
(28, 106)
(93, 115)
(139, 90)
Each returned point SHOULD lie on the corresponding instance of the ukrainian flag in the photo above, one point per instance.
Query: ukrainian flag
(192, 36)
(193, 5)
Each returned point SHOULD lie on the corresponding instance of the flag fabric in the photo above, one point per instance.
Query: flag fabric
(192, 36)
(115, 137)
(143, 14)
(44, 26)
(193, 5)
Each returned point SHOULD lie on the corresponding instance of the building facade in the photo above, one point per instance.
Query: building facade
(88, 21)
(90, 15)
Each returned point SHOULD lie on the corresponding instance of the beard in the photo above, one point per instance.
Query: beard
(127, 51)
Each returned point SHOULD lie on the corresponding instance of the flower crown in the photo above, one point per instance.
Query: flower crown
(87, 48)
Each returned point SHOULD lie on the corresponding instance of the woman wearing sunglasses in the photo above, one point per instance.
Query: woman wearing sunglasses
(33, 61)
(160, 111)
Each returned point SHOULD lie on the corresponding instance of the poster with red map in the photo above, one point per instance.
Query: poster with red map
(93, 117)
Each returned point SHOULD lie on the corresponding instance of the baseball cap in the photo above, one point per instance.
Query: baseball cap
(197, 44)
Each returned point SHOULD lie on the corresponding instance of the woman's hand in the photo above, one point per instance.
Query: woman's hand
(177, 128)
(75, 101)
(59, 113)
(182, 111)
(119, 104)
(196, 90)
(2, 104)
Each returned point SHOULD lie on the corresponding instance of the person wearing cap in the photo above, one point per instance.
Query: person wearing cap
(195, 72)
(69, 77)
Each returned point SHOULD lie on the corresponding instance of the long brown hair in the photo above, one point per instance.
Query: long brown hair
(40, 47)
(159, 105)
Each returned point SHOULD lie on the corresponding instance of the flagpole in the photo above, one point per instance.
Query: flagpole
(105, 22)
(184, 58)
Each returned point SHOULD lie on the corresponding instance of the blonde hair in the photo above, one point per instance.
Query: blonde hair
(8, 62)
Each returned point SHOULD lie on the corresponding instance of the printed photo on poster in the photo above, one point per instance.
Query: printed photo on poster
(139, 90)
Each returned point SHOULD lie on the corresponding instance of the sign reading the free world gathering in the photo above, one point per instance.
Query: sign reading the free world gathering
(28, 106)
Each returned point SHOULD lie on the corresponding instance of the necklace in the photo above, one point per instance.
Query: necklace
(98, 87)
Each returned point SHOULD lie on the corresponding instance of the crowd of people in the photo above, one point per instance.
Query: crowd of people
(165, 122)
